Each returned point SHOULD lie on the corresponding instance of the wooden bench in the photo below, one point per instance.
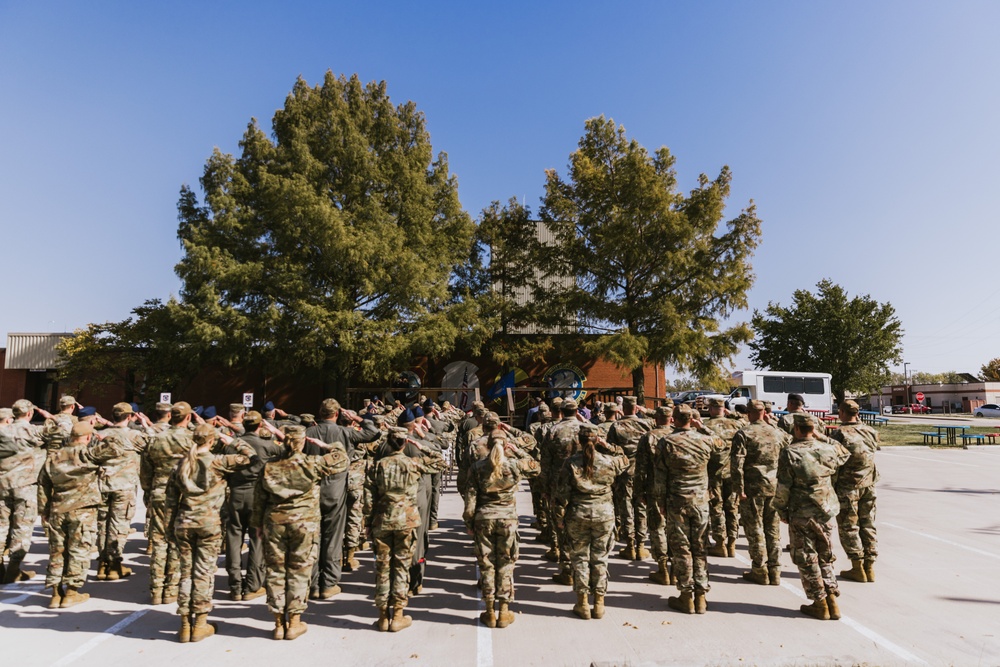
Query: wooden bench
(928, 435)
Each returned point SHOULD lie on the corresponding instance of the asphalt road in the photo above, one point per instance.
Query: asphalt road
(936, 602)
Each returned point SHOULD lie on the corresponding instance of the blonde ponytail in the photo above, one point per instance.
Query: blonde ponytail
(497, 459)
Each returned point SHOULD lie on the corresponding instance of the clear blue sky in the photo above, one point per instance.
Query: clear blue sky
(867, 133)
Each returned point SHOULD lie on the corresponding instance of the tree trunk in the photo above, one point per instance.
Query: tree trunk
(639, 383)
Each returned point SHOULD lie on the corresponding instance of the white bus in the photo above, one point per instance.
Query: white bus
(775, 386)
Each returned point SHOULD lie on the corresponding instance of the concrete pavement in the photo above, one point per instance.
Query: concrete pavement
(936, 602)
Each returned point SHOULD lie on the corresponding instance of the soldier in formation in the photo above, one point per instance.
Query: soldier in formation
(304, 498)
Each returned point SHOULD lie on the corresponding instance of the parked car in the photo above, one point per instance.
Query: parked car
(911, 409)
(988, 410)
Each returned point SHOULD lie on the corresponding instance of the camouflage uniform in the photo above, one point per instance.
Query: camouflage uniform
(21, 458)
(119, 478)
(560, 443)
(538, 428)
(755, 475)
(396, 480)
(856, 492)
(194, 524)
(723, 508)
(242, 483)
(491, 516)
(631, 506)
(68, 495)
(286, 508)
(588, 506)
(681, 469)
(162, 454)
(356, 499)
(645, 455)
(806, 499)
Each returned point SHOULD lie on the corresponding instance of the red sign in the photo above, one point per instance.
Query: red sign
(920, 396)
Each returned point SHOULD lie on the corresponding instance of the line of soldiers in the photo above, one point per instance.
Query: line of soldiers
(304, 492)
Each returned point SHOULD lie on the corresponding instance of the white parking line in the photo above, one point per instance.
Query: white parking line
(863, 630)
(104, 636)
(484, 636)
(29, 591)
(974, 550)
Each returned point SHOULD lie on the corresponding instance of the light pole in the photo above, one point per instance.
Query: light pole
(906, 382)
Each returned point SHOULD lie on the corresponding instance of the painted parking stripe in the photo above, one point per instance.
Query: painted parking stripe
(101, 638)
(974, 550)
(484, 638)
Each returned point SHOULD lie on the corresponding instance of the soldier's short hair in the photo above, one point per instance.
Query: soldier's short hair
(329, 407)
(22, 407)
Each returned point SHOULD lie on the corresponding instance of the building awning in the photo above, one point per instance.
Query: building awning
(32, 351)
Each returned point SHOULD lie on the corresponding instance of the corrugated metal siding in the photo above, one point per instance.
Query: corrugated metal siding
(32, 351)
(523, 296)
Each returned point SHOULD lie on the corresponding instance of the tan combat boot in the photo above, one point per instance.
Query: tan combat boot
(102, 571)
(350, 562)
(832, 606)
(120, 570)
(169, 597)
(201, 629)
(731, 548)
(718, 549)
(628, 551)
(156, 596)
(184, 636)
(757, 575)
(870, 570)
(684, 603)
(582, 606)
(673, 575)
(399, 622)
(383, 619)
(598, 610)
(700, 604)
(295, 628)
(57, 596)
(505, 616)
(817, 609)
(641, 552)
(661, 576)
(488, 617)
(774, 575)
(110, 573)
(565, 577)
(253, 595)
(279, 626)
(857, 571)
(72, 598)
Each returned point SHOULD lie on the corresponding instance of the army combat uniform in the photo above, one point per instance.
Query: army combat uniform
(491, 516)
(806, 499)
(856, 493)
(723, 508)
(119, 479)
(755, 477)
(21, 458)
(631, 505)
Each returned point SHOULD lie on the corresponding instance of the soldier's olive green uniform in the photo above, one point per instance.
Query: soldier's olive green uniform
(682, 474)
(806, 499)
(856, 491)
(286, 507)
(242, 483)
(68, 496)
(491, 515)
(194, 524)
(162, 454)
(755, 475)
(589, 512)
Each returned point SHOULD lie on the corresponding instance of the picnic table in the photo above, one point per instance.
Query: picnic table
(949, 432)
(872, 418)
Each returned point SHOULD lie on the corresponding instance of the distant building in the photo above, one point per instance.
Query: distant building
(959, 397)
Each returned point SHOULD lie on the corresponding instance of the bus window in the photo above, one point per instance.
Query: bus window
(814, 386)
(774, 385)
(794, 385)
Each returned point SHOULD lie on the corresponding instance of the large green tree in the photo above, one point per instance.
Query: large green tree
(653, 272)
(326, 248)
(990, 372)
(853, 339)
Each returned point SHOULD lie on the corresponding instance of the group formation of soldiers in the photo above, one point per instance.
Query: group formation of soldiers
(302, 494)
